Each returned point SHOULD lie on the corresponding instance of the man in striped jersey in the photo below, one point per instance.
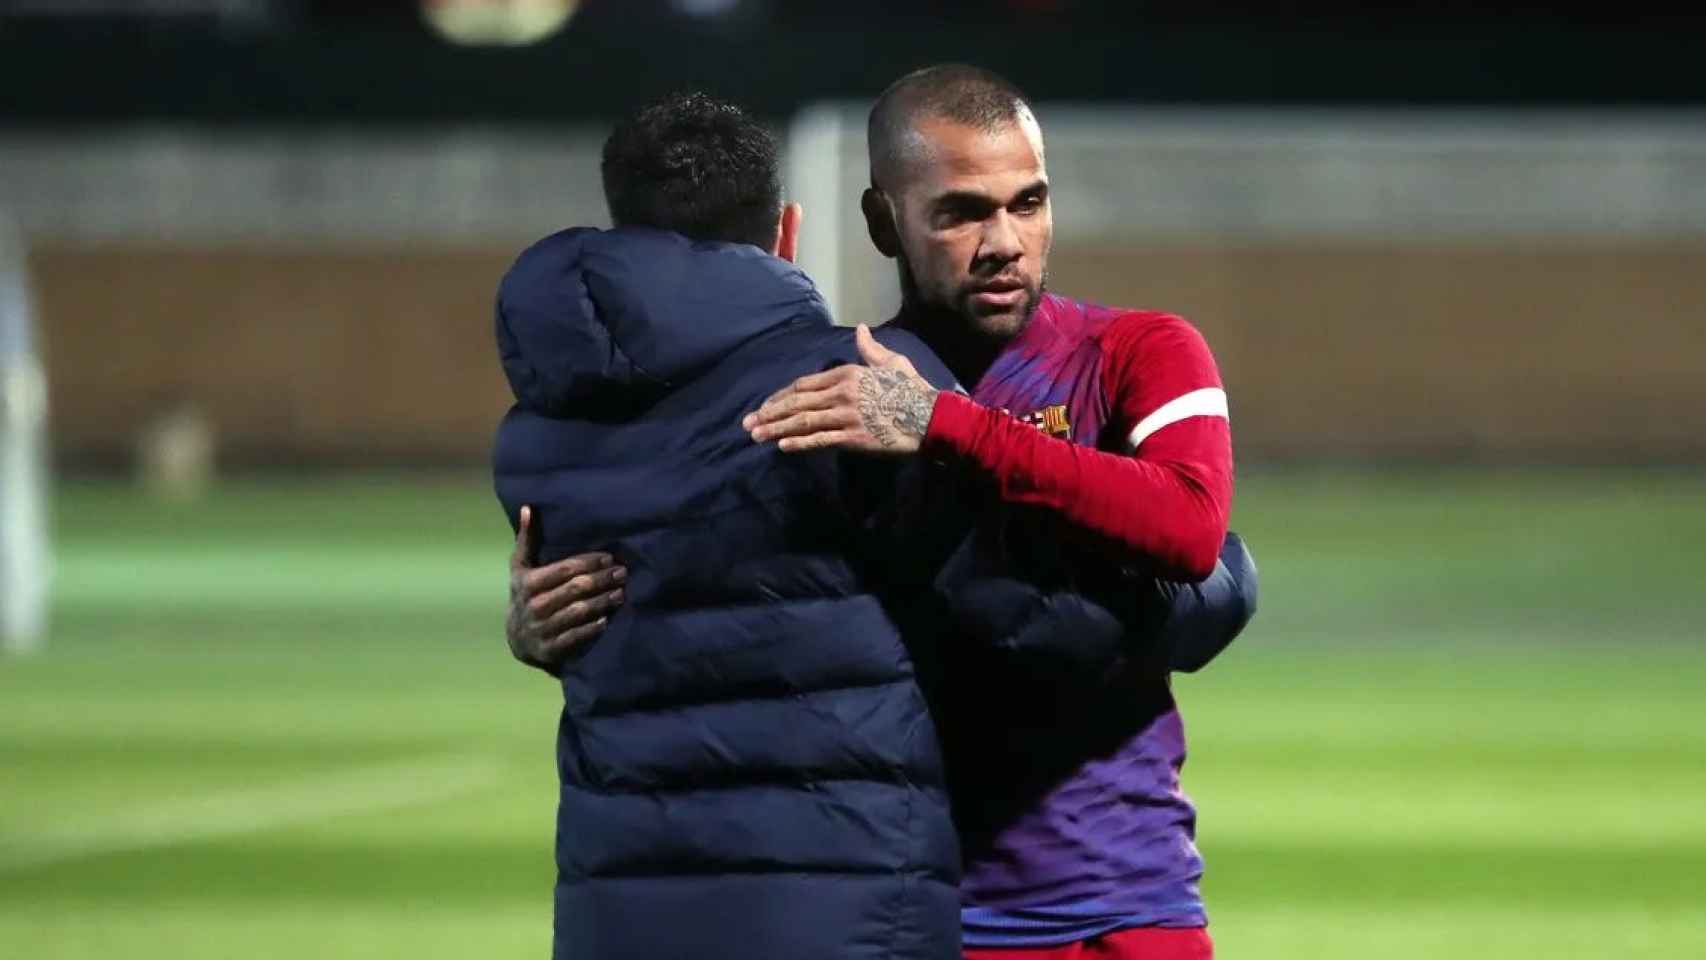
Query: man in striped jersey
(1103, 430)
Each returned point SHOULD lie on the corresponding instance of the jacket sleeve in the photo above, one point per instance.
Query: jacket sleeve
(1204, 618)
(1072, 625)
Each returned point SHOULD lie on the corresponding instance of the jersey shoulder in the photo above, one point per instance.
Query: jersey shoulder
(1151, 360)
(1123, 331)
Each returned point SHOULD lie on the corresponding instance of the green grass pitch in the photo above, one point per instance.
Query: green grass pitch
(1470, 721)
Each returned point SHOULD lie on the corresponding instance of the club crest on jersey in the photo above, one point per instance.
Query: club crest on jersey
(1050, 420)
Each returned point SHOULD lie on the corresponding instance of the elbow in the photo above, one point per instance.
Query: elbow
(1200, 528)
(1195, 548)
(1183, 560)
(1184, 556)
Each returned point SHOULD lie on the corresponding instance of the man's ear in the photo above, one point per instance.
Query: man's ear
(788, 232)
(879, 220)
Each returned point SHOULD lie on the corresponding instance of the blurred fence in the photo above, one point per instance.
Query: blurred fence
(1438, 284)
(1434, 284)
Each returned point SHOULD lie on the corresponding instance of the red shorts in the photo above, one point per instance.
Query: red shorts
(1141, 943)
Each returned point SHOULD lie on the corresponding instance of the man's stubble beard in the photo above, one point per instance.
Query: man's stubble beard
(957, 323)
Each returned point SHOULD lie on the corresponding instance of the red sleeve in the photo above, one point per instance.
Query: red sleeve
(1164, 500)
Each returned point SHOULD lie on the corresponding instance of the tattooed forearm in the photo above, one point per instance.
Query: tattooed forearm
(892, 404)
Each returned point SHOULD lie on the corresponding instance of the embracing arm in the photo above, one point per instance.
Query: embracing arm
(1163, 503)
(1204, 618)
(1165, 510)
(1182, 626)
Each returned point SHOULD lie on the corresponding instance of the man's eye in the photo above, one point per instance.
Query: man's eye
(1028, 205)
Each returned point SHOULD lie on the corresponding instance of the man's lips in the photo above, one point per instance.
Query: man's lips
(999, 292)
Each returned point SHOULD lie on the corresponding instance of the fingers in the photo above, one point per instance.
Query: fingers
(803, 424)
(843, 395)
(541, 606)
(814, 387)
(818, 441)
(554, 651)
(539, 580)
(524, 542)
(580, 613)
(824, 380)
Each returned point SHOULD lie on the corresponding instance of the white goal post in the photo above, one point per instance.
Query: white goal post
(25, 562)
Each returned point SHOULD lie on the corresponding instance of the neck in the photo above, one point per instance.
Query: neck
(967, 353)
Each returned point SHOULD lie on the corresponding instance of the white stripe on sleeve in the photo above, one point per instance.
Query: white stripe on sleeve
(1207, 402)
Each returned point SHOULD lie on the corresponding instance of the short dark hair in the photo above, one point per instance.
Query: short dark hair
(695, 165)
(952, 91)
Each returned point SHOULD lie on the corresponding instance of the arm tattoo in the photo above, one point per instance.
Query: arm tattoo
(892, 403)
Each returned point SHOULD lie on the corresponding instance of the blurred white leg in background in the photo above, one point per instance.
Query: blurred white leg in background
(25, 564)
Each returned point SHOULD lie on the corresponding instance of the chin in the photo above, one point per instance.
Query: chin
(1008, 323)
(1001, 326)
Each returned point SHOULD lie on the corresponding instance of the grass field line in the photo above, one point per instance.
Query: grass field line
(228, 813)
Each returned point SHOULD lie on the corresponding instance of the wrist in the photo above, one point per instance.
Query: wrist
(949, 428)
(920, 409)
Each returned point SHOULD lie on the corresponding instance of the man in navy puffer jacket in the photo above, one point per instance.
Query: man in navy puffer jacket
(748, 765)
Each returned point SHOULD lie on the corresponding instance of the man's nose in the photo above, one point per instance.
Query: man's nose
(1001, 242)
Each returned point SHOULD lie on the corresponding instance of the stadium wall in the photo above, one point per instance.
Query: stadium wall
(350, 355)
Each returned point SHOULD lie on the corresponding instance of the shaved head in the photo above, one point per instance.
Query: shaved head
(953, 92)
(959, 198)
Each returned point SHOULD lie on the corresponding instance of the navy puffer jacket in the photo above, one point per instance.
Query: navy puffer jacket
(748, 766)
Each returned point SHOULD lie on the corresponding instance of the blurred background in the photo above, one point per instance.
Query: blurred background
(1451, 257)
